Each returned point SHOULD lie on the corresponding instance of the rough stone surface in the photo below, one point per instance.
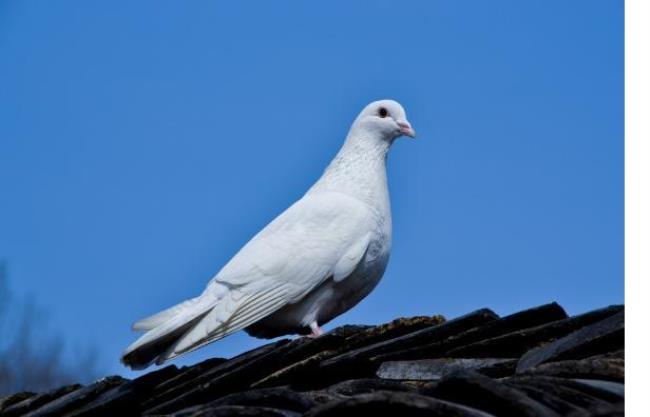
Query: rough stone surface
(522, 320)
(517, 343)
(393, 404)
(610, 410)
(395, 328)
(192, 373)
(419, 366)
(235, 411)
(616, 388)
(280, 399)
(605, 335)
(359, 356)
(76, 399)
(9, 400)
(177, 393)
(596, 367)
(494, 397)
(433, 369)
(122, 399)
(580, 394)
(367, 386)
(35, 401)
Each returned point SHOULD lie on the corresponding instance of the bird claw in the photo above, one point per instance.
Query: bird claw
(315, 330)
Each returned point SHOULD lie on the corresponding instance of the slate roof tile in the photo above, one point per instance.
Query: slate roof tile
(537, 362)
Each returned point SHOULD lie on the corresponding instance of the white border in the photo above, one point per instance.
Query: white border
(637, 205)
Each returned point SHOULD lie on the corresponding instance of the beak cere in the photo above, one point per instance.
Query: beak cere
(406, 129)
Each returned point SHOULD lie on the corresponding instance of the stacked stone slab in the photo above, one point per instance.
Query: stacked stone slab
(537, 362)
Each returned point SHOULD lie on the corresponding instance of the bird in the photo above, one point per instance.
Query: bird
(312, 263)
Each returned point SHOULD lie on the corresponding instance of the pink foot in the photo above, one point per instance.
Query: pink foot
(315, 330)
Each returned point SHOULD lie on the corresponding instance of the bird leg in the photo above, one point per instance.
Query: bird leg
(315, 330)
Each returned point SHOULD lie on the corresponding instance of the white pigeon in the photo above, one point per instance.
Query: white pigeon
(312, 263)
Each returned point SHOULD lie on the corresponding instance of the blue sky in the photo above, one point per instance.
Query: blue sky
(142, 143)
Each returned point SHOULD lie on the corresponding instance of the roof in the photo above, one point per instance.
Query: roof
(537, 362)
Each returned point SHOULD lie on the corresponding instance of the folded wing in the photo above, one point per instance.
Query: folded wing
(322, 235)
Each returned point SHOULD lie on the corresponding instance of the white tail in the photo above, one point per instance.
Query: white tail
(198, 321)
(165, 315)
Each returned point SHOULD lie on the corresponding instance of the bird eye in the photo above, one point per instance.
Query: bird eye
(382, 112)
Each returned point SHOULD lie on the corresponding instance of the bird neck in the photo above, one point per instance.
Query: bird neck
(359, 169)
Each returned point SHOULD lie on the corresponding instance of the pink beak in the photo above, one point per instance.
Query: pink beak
(406, 128)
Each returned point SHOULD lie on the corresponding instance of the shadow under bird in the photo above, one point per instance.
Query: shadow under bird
(313, 262)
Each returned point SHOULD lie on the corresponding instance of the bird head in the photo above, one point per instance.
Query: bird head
(385, 118)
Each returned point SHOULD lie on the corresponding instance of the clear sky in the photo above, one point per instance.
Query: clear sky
(142, 143)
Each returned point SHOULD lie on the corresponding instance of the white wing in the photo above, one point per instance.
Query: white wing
(320, 236)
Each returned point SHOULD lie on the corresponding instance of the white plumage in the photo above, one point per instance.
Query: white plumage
(313, 262)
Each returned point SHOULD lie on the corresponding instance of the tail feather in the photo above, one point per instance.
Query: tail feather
(226, 319)
(199, 321)
(164, 329)
(157, 319)
(141, 356)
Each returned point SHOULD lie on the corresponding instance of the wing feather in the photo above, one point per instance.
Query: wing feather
(318, 236)
(210, 328)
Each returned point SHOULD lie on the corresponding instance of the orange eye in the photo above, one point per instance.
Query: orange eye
(382, 112)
